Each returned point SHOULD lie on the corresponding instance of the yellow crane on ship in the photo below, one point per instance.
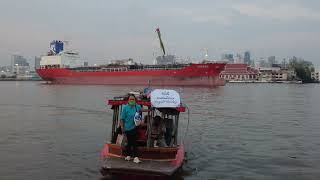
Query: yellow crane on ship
(161, 43)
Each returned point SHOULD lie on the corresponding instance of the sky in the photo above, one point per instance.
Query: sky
(106, 30)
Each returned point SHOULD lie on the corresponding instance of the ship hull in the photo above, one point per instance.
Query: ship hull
(163, 81)
(153, 78)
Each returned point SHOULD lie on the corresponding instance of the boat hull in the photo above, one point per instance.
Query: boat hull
(154, 81)
(148, 168)
(156, 162)
(190, 76)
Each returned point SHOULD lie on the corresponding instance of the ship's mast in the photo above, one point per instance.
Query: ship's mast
(161, 43)
(206, 54)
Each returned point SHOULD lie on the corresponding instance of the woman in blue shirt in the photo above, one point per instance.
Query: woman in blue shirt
(129, 128)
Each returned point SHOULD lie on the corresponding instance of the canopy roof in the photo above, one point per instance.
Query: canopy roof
(140, 102)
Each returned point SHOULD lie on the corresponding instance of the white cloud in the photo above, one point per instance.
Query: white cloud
(223, 20)
(283, 12)
(197, 15)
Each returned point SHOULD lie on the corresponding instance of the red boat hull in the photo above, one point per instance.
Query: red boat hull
(156, 162)
(193, 75)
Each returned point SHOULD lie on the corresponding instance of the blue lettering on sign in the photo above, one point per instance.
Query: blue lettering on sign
(165, 93)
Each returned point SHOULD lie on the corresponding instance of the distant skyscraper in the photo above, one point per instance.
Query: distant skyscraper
(239, 59)
(227, 57)
(246, 58)
(284, 64)
(272, 60)
(263, 63)
(37, 62)
(19, 64)
(253, 64)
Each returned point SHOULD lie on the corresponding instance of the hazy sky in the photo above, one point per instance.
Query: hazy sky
(103, 29)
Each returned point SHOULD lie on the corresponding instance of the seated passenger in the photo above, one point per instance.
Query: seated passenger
(145, 121)
(142, 131)
(157, 133)
(169, 129)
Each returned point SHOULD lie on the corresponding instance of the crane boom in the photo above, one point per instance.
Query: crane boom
(161, 43)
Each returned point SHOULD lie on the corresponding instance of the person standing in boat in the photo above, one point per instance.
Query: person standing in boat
(129, 128)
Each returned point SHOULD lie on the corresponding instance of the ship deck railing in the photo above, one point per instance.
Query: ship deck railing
(98, 69)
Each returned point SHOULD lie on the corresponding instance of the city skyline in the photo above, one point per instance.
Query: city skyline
(233, 58)
(103, 31)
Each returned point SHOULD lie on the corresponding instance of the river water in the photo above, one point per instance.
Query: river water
(239, 131)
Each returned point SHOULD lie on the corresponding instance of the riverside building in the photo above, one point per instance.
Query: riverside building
(276, 74)
(239, 72)
(316, 75)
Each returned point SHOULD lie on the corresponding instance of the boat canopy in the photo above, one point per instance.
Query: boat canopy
(158, 98)
(140, 102)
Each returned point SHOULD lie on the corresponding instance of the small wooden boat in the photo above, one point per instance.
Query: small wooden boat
(156, 161)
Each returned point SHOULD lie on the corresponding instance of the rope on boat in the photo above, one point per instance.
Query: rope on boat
(187, 129)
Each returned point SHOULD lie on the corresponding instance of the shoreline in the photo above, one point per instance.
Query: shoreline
(14, 79)
(272, 82)
(233, 82)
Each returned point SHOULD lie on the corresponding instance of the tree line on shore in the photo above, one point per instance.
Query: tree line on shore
(302, 68)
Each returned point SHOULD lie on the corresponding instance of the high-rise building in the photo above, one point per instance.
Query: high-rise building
(19, 64)
(263, 62)
(246, 58)
(227, 57)
(37, 62)
(239, 59)
(252, 64)
(284, 64)
(272, 60)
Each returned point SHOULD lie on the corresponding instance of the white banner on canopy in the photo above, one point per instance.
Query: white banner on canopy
(165, 98)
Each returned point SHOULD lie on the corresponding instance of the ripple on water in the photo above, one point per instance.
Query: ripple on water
(236, 132)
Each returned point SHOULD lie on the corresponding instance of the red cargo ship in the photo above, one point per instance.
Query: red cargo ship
(168, 75)
(59, 67)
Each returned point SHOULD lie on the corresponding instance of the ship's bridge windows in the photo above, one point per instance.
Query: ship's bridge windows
(50, 66)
